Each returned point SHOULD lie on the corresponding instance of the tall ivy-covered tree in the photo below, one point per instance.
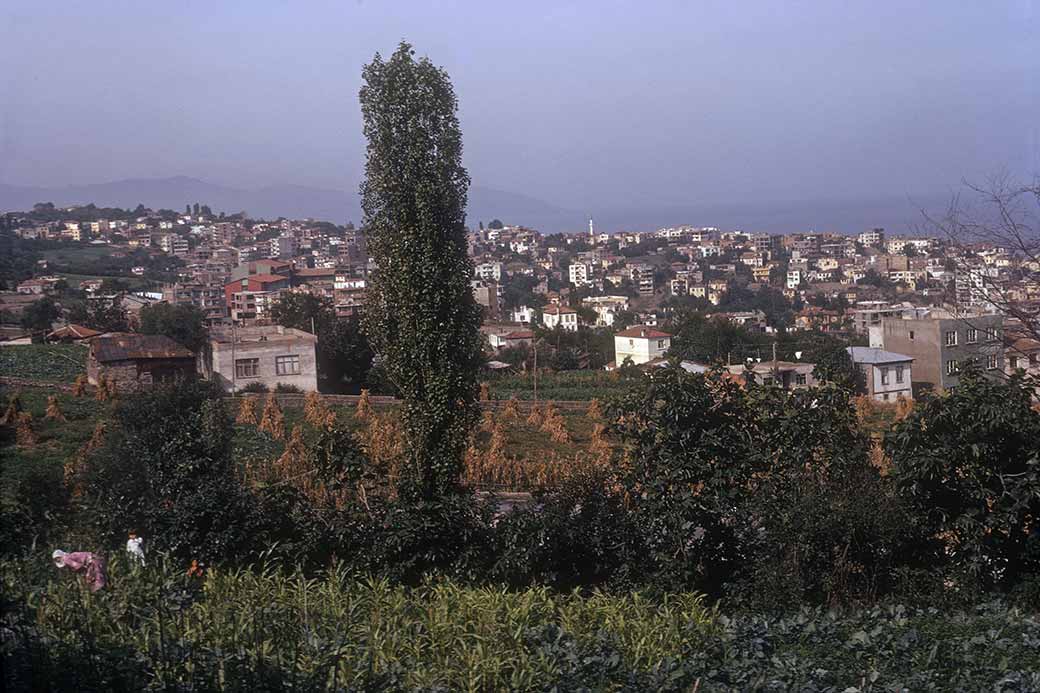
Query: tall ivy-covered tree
(421, 316)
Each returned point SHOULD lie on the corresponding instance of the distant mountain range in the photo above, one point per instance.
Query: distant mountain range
(898, 215)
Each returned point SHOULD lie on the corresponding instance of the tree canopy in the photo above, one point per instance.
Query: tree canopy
(421, 315)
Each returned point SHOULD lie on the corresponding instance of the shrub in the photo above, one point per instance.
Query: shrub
(287, 388)
(969, 464)
(255, 387)
(165, 469)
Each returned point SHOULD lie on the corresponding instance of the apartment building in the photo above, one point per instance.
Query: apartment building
(941, 344)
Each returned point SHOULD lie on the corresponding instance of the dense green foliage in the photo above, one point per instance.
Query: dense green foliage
(39, 315)
(420, 314)
(159, 629)
(183, 323)
(343, 351)
(969, 462)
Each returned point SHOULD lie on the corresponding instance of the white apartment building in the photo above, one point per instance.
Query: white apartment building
(794, 279)
(640, 344)
(489, 270)
(580, 273)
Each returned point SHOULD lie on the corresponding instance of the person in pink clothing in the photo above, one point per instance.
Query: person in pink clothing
(90, 564)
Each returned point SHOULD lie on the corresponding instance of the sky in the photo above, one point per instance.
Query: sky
(582, 104)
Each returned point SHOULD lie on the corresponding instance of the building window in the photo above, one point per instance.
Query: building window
(991, 335)
(973, 335)
(885, 396)
(800, 379)
(899, 374)
(884, 375)
(951, 338)
(631, 343)
(952, 367)
(287, 365)
(911, 335)
(247, 368)
(1013, 362)
(991, 361)
(660, 344)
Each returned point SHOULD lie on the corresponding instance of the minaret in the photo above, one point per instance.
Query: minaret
(592, 231)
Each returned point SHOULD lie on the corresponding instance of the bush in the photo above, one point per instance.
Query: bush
(287, 388)
(968, 462)
(166, 472)
(255, 387)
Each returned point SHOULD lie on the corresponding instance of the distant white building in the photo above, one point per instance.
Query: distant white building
(794, 279)
(523, 314)
(606, 307)
(489, 270)
(566, 318)
(640, 344)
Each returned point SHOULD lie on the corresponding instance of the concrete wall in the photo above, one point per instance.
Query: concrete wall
(221, 367)
(927, 346)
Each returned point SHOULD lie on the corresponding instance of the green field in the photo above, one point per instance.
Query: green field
(564, 385)
(56, 363)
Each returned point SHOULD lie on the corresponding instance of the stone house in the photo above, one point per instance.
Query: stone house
(136, 361)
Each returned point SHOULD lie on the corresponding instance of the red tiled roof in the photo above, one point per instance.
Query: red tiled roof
(558, 310)
(642, 331)
(519, 334)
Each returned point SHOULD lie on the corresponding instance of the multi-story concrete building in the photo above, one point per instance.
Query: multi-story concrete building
(580, 273)
(485, 292)
(270, 354)
(887, 376)
(941, 344)
(209, 298)
(873, 237)
(489, 270)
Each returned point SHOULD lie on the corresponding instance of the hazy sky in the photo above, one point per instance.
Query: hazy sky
(583, 104)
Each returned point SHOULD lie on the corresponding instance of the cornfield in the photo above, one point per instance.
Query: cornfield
(159, 628)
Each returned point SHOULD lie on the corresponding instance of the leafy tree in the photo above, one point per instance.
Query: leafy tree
(422, 318)
(728, 482)
(969, 462)
(303, 311)
(344, 354)
(183, 323)
(104, 314)
(166, 470)
(343, 350)
(39, 315)
(495, 224)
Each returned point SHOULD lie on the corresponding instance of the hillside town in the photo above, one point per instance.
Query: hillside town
(913, 310)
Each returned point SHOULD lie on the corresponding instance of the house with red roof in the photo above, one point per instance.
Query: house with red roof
(640, 344)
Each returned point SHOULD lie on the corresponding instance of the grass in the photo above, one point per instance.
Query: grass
(55, 363)
(58, 441)
(565, 385)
